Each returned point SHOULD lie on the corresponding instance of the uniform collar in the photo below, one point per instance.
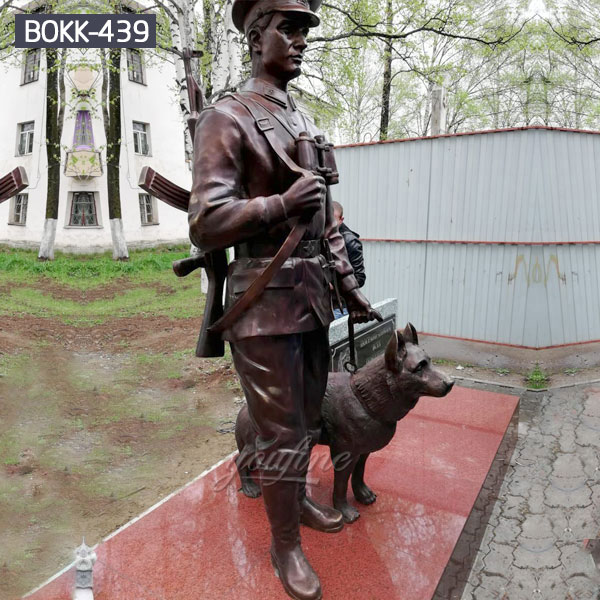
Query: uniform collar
(269, 91)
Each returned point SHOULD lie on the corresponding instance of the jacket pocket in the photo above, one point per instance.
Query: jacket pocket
(284, 278)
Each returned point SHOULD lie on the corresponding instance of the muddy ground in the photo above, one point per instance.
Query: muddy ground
(98, 423)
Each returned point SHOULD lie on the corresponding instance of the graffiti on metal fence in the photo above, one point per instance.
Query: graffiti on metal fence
(536, 273)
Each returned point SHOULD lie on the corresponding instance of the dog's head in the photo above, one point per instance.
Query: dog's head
(411, 368)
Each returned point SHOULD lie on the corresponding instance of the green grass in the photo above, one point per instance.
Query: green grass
(184, 302)
(87, 271)
(150, 288)
(537, 379)
(167, 366)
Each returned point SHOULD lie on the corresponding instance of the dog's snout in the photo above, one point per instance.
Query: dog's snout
(449, 384)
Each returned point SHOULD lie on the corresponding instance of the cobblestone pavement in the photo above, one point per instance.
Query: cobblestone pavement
(535, 546)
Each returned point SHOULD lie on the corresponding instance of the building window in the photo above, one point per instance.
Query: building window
(141, 138)
(83, 138)
(135, 66)
(31, 66)
(18, 211)
(25, 138)
(83, 210)
(148, 211)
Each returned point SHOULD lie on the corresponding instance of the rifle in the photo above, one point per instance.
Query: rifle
(214, 263)
(12, 183)
(194, 91)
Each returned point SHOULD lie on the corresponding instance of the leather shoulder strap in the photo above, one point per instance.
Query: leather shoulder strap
(264, 125)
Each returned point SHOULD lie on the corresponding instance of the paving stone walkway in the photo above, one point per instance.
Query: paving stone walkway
(534, 547)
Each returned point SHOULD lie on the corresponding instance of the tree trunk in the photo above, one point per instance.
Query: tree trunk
(54, 112)
(177, 27)
(387, 79)
(112, 128)
(209, 47)
(227, 65)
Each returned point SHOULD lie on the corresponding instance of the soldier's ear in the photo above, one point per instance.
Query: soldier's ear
(255, 40)
(410, 334)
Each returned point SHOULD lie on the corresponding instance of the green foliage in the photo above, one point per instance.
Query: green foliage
(537, 379)
(85, 271)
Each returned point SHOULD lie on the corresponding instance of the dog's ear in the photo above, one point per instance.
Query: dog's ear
(410, 334)
(395, 350)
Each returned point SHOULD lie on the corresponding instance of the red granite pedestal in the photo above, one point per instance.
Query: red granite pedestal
(435, 483)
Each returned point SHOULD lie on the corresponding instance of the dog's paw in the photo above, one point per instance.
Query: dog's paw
(250, 489)
(364, 494)
(348, 511)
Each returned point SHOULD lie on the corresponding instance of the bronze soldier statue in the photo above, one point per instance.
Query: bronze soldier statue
(253, 190)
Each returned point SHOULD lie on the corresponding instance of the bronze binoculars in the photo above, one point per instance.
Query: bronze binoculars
(316, 155)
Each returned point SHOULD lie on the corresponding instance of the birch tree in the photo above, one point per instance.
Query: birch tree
(111, 113)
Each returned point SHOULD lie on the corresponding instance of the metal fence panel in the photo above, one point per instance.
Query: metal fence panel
(414, 202)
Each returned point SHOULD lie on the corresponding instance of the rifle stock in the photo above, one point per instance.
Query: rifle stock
(162, 188)
(210, 344)
(12, 183)
(214, 263)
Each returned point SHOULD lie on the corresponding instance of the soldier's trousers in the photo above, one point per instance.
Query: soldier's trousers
(284, 380)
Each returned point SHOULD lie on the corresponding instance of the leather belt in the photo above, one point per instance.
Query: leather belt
(305, 249)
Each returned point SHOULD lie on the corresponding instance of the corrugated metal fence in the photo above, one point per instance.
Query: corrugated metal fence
(492, 236)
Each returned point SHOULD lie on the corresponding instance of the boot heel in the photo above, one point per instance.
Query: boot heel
(275, 567)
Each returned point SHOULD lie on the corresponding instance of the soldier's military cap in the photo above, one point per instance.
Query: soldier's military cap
(247, 12)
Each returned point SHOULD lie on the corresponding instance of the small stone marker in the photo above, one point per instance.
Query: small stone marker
(370, 339)
(85, 558)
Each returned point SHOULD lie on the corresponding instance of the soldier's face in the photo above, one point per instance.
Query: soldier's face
(281, 46)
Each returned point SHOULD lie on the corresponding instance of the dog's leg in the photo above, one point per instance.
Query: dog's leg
(249, 487)
(362, 492)
(340, 489)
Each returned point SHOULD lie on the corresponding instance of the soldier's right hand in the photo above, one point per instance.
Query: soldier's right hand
(306, 195)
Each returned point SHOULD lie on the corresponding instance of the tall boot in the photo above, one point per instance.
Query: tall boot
(291, 566)
(314, 515)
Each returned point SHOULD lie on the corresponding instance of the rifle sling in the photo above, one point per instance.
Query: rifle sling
(287, 248)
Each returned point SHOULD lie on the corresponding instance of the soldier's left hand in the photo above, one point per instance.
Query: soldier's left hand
(360, 308)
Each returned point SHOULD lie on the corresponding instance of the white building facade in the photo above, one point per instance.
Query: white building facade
(152, 135)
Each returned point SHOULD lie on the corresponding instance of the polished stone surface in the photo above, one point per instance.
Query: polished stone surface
(209, 541)
(338, 330)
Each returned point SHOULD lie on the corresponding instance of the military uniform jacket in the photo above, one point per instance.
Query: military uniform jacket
(236, 201)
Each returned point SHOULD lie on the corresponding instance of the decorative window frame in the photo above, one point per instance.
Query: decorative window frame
(12, 218)
(30, 76)
(71, 198)
(30, 137)
(137, 133)
(131, 70)
(142, 196)
(83, 125)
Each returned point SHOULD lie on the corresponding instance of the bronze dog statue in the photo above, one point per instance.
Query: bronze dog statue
(360, 413)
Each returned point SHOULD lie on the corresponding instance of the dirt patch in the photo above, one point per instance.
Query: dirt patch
(107, 291)
(97, 425)
(150, 333)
